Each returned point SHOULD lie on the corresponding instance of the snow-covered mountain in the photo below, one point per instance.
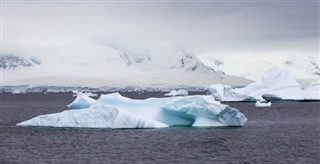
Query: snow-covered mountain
(309, 65)
(302, 67)
(116, 65)
(11, 62)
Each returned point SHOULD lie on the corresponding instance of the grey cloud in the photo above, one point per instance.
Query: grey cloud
(202, 27)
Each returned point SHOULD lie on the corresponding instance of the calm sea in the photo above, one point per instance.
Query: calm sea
(287, 132)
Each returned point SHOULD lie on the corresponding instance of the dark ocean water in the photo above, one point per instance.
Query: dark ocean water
(287, 132)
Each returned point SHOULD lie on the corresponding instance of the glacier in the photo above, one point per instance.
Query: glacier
(116, 111)
(305, 67)
(180, 92)
(150, 65)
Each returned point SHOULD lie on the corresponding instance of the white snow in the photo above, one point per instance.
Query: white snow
(262, 104)
(180, 92)
(119, 65)
(301, 66)
(280, 83)
(275, 84)
(312, 92)
(82, 101)
(223, 92)
(115, 111)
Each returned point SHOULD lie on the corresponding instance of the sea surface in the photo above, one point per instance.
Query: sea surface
(287, 132)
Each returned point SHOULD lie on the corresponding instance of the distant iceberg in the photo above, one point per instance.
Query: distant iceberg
(222, 92)
(116, 111)
(276, 84)
(180, 92)
(312, 92)
(280, 83)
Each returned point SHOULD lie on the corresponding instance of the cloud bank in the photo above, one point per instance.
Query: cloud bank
(239, 31)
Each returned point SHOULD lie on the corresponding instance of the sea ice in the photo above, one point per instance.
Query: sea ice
(263, 104)
(116, 111)
(180, 92)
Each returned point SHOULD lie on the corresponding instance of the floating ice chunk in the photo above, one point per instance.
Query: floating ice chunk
(263, 104)
(115, 111)
(180, 92)
(312, 92)
(222, 92)
(82, 101)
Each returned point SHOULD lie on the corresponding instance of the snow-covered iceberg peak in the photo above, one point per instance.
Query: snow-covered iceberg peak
(115, 111)
(277, 78)
(312, 92)
(82, 101)
(280, 83)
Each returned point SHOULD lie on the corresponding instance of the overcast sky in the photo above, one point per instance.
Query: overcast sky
(217, 28)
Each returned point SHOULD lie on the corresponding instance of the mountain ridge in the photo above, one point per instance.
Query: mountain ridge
(122, 66)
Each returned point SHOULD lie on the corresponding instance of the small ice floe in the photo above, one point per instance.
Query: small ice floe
(180, 92)
(263, 103)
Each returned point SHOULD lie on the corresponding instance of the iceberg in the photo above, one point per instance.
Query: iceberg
(180, 92)
(116, 111)
(271, 97)
(262, 104)
(312, 92)
(277, 82)
(222, 92)
(275, 85)
(82, 101)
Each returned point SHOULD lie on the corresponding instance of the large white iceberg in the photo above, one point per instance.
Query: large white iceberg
(280, 83)
(115, 111)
